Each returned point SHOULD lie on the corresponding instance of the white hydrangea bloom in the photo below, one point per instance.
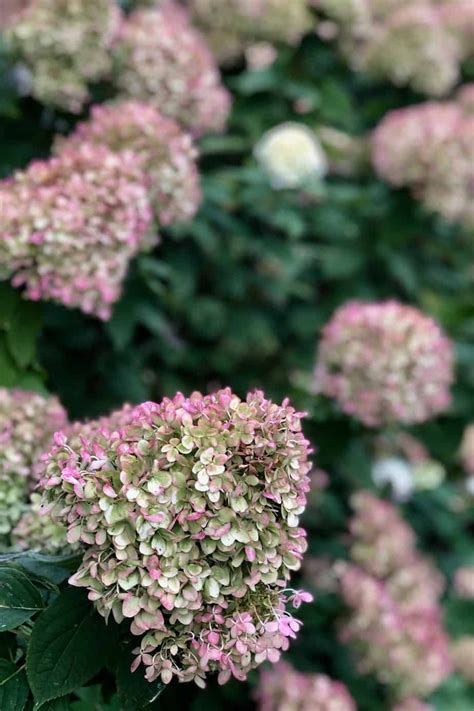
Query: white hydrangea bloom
(291, 154)
(397, 473)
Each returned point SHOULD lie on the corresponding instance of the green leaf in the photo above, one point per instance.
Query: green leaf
(54, 568)
(68, 646)
(22, 336)
(13, 687)
(135, 692)
(62, 704)
(8, 370)
(19, 599)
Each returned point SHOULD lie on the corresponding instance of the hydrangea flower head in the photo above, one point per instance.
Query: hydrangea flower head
(464, 582)
(291, 155)
(168, 153)
(189, 516)
(163, 60)
(65, 45)
(416, 43)
(231, 26)
(282, 687)
(462, 652)
(384, 362)
(394, 623)
(69, 226)
(429, 149)
(27, 422)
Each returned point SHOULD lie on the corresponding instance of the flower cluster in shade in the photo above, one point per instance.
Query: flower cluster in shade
(464, 582)
(384, 363)
(429, 148)
(27, 423)
(291, 155)
(37, 532)
(419, 43)
(392, 593)
(412, 704)
(69, 226)
(462, 653)
(64, 45)
(282, 688)
(404, 465)
(162, 59)
(167, 152)
(232, 26)
(188, 514)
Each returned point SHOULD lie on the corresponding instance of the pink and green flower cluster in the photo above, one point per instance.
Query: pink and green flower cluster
(27, 423)
(64, 45)
(162, 59)
(167, 152)
(384, 363)
(189, 516)
(462, 652)
(418, 43)
(282, 688)
(69, 226)
(392, 593)
(232, 26)
(429, 148)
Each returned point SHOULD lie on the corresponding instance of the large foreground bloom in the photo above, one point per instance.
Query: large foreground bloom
(189, 518)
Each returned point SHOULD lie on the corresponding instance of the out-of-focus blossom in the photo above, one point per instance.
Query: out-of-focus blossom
(291, 155)
(414, 48)
(429, 148)
(404, 463)
(168, 153)
(65, 45)
(38, 532)
(10, 10)
(160, 58)
(395, 472)
(384, 363)
(394, 621)
(428, 475)
(27, 422)
(282, 688)
(260, 55)
(322, 572)
(231, 26)
(347, 155)
(420, 43)
(466, 451)
(412, 704)
(462, 652)
(189, 513)
(69, 226)
(464, 582)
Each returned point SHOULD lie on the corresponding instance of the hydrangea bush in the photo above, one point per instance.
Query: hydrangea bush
(155, 544)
